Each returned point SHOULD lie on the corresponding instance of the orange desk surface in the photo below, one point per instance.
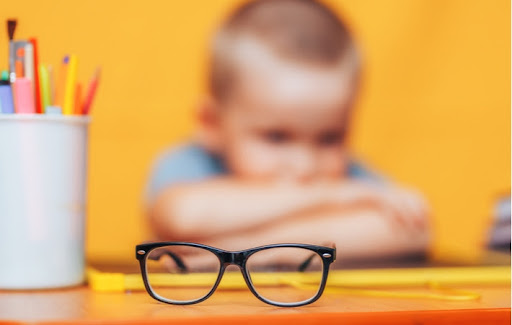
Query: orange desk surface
(83, 306)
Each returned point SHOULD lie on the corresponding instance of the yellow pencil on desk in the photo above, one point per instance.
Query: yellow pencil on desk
(351, 282)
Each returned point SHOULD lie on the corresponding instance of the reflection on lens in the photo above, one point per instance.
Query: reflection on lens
(285, 274)
(182, 273)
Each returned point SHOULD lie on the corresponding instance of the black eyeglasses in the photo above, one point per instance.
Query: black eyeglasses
(286, 275)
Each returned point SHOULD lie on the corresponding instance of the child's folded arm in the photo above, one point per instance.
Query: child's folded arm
(362, 234)
(223, 206)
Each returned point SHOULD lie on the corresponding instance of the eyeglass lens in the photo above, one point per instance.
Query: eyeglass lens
(181, 273)
(285, 274)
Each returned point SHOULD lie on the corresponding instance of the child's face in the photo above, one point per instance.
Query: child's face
(285, 120)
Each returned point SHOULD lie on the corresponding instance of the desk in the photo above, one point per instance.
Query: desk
(83, 306)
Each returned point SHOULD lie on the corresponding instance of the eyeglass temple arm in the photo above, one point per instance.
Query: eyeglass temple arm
(305, 264)
(179, 262)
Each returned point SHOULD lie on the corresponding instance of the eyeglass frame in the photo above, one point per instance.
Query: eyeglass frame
(238, 258)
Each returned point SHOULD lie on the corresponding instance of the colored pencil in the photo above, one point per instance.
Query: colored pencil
(70, 86)
(37, 85)
(91, 92)
(44, 81)
(78, 100)
(61, 83)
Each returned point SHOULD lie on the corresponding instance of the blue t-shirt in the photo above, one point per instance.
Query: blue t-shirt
(191, 162)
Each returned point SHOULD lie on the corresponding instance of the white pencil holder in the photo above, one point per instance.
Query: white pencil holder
(43, 171)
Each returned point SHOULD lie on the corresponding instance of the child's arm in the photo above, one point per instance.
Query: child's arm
(358, 235)
(225, 206)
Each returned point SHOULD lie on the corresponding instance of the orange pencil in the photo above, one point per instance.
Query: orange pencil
(61, 83)
(77, 110)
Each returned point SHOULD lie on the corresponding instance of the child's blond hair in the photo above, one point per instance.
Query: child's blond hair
(297, 30)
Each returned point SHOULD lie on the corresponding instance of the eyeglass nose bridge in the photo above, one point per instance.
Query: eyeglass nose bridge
(233, 258)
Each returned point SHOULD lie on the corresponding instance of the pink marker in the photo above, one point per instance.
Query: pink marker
(24, 96)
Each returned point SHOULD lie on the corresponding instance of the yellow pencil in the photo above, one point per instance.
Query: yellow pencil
(70, 86)
(347, 281)
(44, 82)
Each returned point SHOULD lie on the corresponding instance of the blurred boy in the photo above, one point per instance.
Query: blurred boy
(270, 163)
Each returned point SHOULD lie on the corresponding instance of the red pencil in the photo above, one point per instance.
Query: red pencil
(37, 89)
(91, 92)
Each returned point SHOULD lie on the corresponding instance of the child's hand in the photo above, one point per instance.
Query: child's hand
(405, 207)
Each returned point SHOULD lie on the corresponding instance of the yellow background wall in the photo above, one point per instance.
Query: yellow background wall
(434, 111)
